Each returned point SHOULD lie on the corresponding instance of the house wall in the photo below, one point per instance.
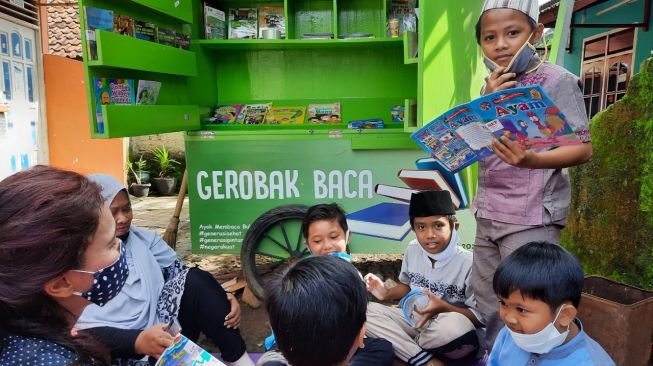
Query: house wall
(627, 13)
(69, 139)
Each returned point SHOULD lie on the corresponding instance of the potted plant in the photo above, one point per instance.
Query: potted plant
(143, 174)
(140, 188)
(165, 183)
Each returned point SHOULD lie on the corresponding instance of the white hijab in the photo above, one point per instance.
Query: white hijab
(136, 304)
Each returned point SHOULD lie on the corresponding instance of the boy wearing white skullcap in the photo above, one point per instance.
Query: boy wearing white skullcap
(522, 194)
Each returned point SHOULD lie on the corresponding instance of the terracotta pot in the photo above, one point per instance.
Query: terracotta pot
(619, 317)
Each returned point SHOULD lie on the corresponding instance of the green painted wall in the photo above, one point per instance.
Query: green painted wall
(628, 13)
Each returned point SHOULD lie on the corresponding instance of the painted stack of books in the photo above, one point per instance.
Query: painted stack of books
(243, 23)
(121, 91)
(107, 20)
(265, 113)
(390, 220)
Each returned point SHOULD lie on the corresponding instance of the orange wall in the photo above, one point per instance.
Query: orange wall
(69, 138)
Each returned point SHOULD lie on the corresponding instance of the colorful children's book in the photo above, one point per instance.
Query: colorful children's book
(271, 17)
(102, 94)
(214, 22)
(387, 220)
(96, 19)
(366, 123)
(183, 351)
(464, 134)
(455, 180)
(424, 180)
(243, 23)
(147, 92)
(399, 193)
(122, 91)
(324, 113)
(286, 115)
(123, 24)
(225, 114)
(145, 31)
(253, 114)
(167, 37)
(397, 113)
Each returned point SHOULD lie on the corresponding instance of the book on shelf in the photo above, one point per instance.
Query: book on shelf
(464, 134)
(397, 113)
(110, 91)
(243, 23)
(182, 38)
(214, 23)
(253, 114)
(399, 193)
(123, 24)
(96, 19)
(145, 30)
(324, 113)
(286, 116)
(183, 351)
(317, 36)
(428, 180)
(167, 36)
(387, 220)
(225, 114)
(355, 35)
(147, 92)
(455, 180)
(271, 17)
(366, 123)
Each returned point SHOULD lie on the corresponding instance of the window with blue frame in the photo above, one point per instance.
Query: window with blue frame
(28, 49)
(30, 84)
(6, 75)
(4, 43)
(16, 45)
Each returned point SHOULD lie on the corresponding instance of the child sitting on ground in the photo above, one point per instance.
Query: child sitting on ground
(539, 287)
(326, 233)
(435, 263)
(317, 310)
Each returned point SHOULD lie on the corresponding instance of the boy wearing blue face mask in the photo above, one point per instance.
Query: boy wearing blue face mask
(522, 194)
(443, 329)
(539, 287)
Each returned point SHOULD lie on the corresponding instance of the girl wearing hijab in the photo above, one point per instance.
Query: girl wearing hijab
(159, 289)
(58, 254)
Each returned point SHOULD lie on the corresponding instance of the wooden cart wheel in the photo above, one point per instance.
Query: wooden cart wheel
(274, 240)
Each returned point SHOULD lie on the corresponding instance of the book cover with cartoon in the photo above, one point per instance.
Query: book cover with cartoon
(464, 134)
(253, 114)
(102, 94)
(123, 24)
(122, 91)
(225, 114)
(286, 116)
(324, 113)
(147, 92)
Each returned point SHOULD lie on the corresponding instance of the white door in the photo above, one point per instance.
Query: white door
(19, 104)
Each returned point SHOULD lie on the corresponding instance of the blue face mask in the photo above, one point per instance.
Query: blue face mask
(108, 281)
(519, 63)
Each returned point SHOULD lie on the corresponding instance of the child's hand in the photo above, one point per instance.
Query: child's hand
(376, 286)
(153, 341)
(435, 306)
(499, 81)
(513, 153)
(232, 320)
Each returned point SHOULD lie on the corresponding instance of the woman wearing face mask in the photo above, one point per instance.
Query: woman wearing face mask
(159, 289)
(57, 247)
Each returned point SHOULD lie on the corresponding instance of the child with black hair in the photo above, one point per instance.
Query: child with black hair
(317, 310)
(445, 328)
(325, 230)
(522, 195)
(539, 287)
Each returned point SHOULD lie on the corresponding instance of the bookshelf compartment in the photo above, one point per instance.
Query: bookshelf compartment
(118, 51)
(309, 16)
(361, 16)
(137, 120)
(179, 9)
(410, 47)
(289, 44)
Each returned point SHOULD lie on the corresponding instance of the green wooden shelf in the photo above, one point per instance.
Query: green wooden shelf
(282, 44)
(178, 9)
(306, 127)
(137, 120)
(118, 51)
